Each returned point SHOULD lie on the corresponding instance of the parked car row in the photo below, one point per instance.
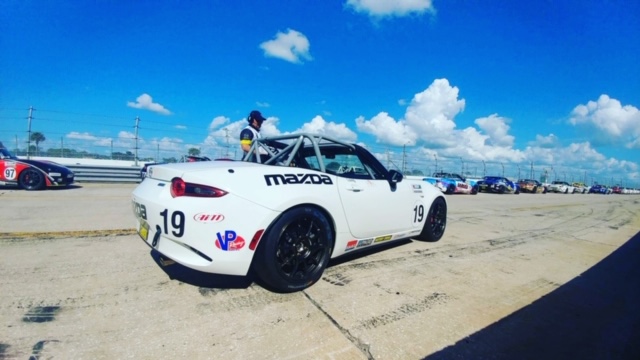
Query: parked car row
(451, 183)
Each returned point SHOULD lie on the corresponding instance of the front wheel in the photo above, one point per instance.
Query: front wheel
(31, 179)
(295, 250)
(474, 190)
(436, 221)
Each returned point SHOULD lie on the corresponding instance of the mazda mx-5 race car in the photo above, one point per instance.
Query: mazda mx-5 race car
(531, 186)
(31, 174)
(284, 214)
(562, 187)
(450, 183)
(498, 185)
(600, 189)
(186, 158)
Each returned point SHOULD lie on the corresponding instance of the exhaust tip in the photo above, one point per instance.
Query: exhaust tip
(166, 261)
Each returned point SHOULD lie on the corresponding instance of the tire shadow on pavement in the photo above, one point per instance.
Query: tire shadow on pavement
(594, 316)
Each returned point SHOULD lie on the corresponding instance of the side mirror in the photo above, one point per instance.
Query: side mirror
(395, 176)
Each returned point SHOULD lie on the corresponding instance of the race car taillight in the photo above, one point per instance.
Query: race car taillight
(181, 188)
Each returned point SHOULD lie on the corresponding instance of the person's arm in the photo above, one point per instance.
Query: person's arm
(246, 137)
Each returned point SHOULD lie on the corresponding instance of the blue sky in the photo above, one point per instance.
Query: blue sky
(553, 84)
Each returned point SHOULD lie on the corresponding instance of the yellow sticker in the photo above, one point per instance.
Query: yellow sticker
(144, 230)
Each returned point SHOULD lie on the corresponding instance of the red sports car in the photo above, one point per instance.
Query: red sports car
(31, 174)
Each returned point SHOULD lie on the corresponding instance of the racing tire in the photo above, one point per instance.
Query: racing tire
(31, 179)
(475, 190)
(517, 192)
(501, 189)
(535, 190)
(451, 189)
(566, 191)
(436, 222)
(295, 250)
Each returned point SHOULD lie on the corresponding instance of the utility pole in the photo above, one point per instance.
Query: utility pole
(136, 148)
(502, 169)
(388, 158)
(436, 157)
(31, 109)
(158, 152)
(111, 149)
(404, 154)
(226, 135)
(484, 169)
(61, 146)
(531, 170)
(17, 145)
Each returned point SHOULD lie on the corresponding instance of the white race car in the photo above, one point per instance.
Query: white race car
(285, 214)
(561, 187)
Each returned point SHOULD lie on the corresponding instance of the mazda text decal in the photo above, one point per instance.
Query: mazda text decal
(315, 179)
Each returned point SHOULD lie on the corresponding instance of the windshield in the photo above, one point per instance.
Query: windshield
(5, 154)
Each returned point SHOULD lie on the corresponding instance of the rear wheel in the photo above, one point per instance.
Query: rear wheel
(436, 221)
(295, 251)
(31, 179)
(475, 190)
(451, 189)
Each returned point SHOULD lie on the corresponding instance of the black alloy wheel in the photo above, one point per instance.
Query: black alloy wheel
(295, 250)
(31, 179)
(436, 221)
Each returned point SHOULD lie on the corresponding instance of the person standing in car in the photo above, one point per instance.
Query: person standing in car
(251, 131)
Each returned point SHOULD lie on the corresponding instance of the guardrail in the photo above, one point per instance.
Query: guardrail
(111, 174)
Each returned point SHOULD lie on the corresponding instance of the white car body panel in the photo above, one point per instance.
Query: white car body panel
(213, 234)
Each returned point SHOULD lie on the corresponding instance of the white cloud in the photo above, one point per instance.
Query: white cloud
(95, 140)
(387, 130)
(180, 127)
(127, 135)
(430, 121)
(218, 121)
(496, 127)
(145, 101)
(549, 141)
(381, 8)
(81, 136)
(619, 123)
(292, 46)
(431, 113)
(320, 126)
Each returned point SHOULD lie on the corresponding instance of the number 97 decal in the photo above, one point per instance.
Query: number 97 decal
(10, 173)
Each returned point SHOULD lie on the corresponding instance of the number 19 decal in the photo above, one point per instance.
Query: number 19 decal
(177, 222)
(418, 214)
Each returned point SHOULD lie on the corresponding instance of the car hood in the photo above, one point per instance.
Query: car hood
(46, 166)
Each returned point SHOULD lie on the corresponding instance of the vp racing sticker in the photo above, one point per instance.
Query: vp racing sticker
(229, 241)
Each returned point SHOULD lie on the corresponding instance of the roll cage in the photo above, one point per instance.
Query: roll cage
(318, 152)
